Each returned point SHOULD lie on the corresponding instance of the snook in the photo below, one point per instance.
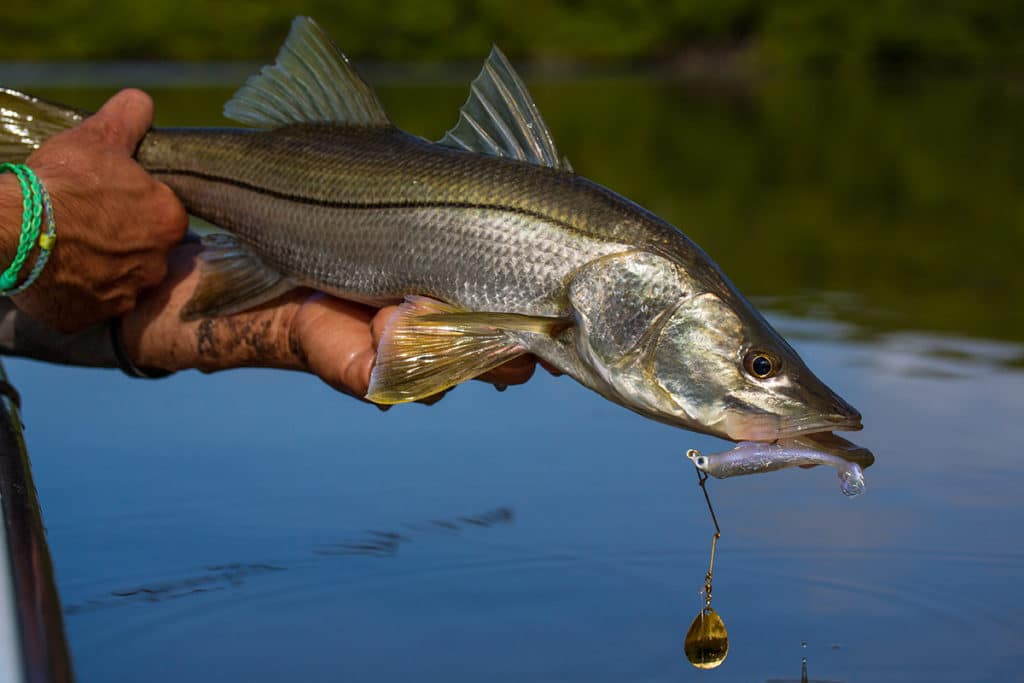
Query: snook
(493, 244)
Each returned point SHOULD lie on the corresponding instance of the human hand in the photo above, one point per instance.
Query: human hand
(115, 223)
(331, 338)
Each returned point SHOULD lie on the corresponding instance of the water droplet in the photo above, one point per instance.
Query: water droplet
(851, 480)
(803, 644)
(707, 642)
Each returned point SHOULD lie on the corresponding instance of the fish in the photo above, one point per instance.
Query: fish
(752, 457)
(490, 242)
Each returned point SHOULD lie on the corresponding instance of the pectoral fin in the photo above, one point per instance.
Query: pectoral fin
(231, 279)
(429, 346)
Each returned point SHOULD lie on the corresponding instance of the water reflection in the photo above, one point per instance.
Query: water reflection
(235, 575)
(213, 578)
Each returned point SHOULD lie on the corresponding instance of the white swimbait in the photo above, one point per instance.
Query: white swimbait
(755, 457)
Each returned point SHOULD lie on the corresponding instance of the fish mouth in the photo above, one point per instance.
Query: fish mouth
(827, 442)
(840, 417)
(837, 422)
(765, 427)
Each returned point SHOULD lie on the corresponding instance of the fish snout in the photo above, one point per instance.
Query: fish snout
(843, 416)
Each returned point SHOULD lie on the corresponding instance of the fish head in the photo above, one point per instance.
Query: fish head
(732, 375)
(691, 351)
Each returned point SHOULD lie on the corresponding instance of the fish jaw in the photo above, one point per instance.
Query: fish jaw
(833, 444)
(751, 425)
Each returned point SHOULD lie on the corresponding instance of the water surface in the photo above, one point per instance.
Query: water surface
(253, 525)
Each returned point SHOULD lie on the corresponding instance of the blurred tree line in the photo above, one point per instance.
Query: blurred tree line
(891, 204)
(803, 34)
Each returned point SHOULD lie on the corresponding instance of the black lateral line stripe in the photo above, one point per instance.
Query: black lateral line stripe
(299, 199)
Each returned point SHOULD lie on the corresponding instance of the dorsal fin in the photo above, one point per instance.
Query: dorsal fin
(311, 82)
(500, 118)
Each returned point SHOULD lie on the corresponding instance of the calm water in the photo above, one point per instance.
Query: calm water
(255, 526)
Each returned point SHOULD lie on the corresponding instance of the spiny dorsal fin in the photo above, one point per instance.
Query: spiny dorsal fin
(500, 118)
(311, 82)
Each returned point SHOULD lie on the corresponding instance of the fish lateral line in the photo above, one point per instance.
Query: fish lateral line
(344, 204)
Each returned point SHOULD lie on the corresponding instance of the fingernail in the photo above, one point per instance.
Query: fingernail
(501, 387)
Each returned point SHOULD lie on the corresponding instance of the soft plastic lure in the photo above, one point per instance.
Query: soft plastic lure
(754, 457)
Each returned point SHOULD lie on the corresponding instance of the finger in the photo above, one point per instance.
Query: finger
(349, 312)
(434, 398)
(356, 373)
(550, 368)
(123, 120)
(380, 322)
(173, 219)
(154, 272)
(516, 371)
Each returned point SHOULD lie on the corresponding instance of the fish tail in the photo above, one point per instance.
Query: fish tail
(27, 121)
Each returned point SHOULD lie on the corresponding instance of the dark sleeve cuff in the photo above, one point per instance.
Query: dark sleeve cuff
(99, 346)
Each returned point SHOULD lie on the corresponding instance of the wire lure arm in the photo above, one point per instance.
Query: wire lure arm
(707, 642)
(702, 478)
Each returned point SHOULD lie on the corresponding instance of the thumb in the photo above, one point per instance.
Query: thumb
(123, 120)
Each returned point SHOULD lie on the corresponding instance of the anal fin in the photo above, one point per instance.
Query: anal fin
(429, 346)
(231, 279)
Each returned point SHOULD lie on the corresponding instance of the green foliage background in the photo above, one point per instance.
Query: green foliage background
(813, 34)
(891, 206)
(893, 203)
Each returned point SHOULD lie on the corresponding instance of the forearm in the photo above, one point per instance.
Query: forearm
(155, 336)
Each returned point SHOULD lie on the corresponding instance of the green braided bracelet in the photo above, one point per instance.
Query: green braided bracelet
(32, 194)
(46, 241)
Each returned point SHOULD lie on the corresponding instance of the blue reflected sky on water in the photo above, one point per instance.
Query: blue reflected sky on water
(252, 525)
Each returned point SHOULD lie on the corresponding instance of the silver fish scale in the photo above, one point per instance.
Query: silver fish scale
(374, 216)
(480, 259)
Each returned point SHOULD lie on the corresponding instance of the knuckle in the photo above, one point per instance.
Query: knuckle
(109, 298)
(155, 273)
(172, 219)
(176, 216)
(93, 129)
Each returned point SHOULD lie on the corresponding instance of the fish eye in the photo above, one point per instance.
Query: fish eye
(701, 461)
(761, 364)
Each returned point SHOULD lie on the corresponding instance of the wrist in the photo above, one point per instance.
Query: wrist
(11, 211)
